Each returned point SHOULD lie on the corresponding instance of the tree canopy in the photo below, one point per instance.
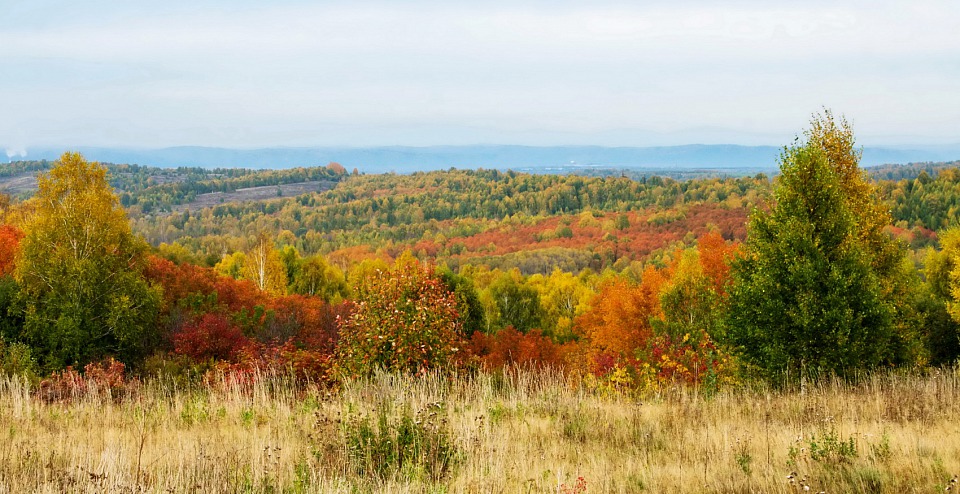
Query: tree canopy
(80, 270)
(808, 292)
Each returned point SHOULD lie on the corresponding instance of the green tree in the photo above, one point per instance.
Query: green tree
(691, 306)
(292, 262)
(318, 278)
(805, 294)
(622, 221)
(518, 303)
(80, 271)
(470, 308)
(943, 304)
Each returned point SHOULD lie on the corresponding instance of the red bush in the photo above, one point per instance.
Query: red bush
(211, 336)
(103, 378)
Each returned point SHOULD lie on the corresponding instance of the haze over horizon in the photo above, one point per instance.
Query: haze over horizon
(244, 75)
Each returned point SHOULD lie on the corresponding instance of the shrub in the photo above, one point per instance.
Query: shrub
(17, 359)
(102, 379)
(509, 347)
(409, 446)
(405, 320)
(831, 449)
(211, 336)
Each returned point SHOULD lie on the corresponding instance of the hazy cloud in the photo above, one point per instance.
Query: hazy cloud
(303, 73)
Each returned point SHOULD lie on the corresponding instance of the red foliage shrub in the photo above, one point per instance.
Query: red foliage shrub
(579, 487)
(303, 364)
(186, 282)
(309, 321)
(216, 317)
(211, 336)
(107, 378)
(9, 246)
(257, 362)
(10, 237)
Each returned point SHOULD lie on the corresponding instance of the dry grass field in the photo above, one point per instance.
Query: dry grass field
(250, 194)
(523, 432)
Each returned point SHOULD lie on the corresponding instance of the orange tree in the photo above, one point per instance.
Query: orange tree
(405, 320)
(9, 246)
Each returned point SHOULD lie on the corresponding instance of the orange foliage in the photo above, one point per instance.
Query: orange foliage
(9, 245)
(336, 168)
(627, 328)
(311, 322)
(715, 256)
(209, 314)
(349, 256)
(427, 248)
(619, 321)
(509, 347)
(180, 282)
(638, 240)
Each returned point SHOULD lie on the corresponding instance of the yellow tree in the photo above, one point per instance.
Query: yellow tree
(232, 265)
(319, 278)
(262, 265)
(564, 296)
(80, 271)
(835, 138)
(942, 287)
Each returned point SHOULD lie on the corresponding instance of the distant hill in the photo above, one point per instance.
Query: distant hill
(560, 159)
(557, 159)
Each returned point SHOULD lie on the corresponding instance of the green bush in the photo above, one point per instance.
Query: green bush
(409, 446)
(830, 449)
(17, 359)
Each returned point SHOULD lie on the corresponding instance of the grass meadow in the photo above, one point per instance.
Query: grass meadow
(513, 432)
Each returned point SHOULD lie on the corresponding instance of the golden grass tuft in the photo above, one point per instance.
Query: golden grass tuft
(512, 432)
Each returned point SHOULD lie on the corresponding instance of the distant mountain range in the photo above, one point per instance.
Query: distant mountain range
(556, 159)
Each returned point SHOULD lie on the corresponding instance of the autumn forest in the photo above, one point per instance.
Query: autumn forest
(613, 289)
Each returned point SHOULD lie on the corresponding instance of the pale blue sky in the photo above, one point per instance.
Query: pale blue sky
(289, 73)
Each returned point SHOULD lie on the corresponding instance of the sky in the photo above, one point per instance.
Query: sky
(247, 74)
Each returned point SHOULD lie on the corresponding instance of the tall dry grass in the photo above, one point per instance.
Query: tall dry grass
(515, 432)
